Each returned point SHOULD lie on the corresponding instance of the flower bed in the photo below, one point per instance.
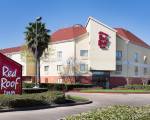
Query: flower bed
(115, 113)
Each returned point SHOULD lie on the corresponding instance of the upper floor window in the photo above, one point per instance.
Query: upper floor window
(136, 70)
(59, 54)
(83, 67)
(46, 68)
(84, 53)
(119, 55)
(136, 57)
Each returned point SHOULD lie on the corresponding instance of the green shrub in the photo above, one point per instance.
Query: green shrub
(135, 87)
(34, 90)
(115, 113)
(30, 100)
(59, 87)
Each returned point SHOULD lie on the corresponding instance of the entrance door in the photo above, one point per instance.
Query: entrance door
(101, 78)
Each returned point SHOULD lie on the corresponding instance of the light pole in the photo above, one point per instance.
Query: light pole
(37, 80)
(127, 79)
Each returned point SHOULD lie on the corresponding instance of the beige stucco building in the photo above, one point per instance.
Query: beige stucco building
(94, 53)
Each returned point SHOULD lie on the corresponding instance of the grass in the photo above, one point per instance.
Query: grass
(114, 91)
(115, 113)
(76, 98)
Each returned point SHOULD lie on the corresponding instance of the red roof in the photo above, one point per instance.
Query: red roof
(11, 50)
(68, 33)
(131, 37)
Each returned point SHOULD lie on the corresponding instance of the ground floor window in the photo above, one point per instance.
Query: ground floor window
(59, 80)
(136, 70)
(118, 68)
(83, 67)
(145, 71)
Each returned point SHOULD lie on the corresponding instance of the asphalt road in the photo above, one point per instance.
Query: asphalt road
(99, 100)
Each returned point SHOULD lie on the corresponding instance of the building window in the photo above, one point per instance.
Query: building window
(119, 55)
(136, 70)
(59, 54)
(145, 71)
(46, 68)
(119, 68)
(136, 57)
(83, 67)
(59, 80)
(84, 53)
(59, 68)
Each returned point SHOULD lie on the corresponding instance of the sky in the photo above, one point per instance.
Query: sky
(133, 15)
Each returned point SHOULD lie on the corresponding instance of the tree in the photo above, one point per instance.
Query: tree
(70, 70)
(37, 40)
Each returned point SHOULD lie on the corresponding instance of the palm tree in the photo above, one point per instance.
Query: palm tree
(37, 39)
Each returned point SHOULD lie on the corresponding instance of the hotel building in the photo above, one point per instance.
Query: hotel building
(94, 53)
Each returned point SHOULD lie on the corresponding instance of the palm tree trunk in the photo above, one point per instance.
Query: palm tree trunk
(38, 71)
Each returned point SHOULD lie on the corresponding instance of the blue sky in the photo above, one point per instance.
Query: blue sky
(133, 15)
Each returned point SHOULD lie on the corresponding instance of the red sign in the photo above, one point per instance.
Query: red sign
(103, 40)
(10, 76)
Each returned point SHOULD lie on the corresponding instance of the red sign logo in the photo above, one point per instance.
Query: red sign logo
(103, 40)
(10, 76)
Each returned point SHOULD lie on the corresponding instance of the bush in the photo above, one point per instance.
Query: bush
(30, 100)
(136, 87)
(59, 87)
(34, 90)
(115, 113)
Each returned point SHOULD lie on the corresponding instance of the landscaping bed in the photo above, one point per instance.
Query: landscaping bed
(50, 98)
(115, 113)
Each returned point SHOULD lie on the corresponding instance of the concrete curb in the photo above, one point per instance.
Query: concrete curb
(44, 107)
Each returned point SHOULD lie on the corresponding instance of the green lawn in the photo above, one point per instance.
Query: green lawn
(114, 91)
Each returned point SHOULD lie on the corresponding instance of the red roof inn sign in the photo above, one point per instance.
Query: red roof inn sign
(10, 76)
(103, 41)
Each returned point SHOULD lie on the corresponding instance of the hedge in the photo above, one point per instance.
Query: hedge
(30, 100)
(136, 87)
(60, 87)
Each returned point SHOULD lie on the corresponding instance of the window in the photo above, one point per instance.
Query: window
(59, 80)
(119, 68)
(83, 67)
(136, 57)
(59, 54)
(59, 68)
(145, 71)
(46, 68)
(119, 55)
(84, 53)
(136, 70)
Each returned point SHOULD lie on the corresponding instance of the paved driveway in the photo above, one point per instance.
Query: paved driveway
(98, 99)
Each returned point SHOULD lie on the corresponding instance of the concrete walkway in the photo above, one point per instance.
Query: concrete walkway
(99, 100)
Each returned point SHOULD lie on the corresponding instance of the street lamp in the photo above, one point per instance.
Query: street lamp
(36, 54)
(127, 79)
